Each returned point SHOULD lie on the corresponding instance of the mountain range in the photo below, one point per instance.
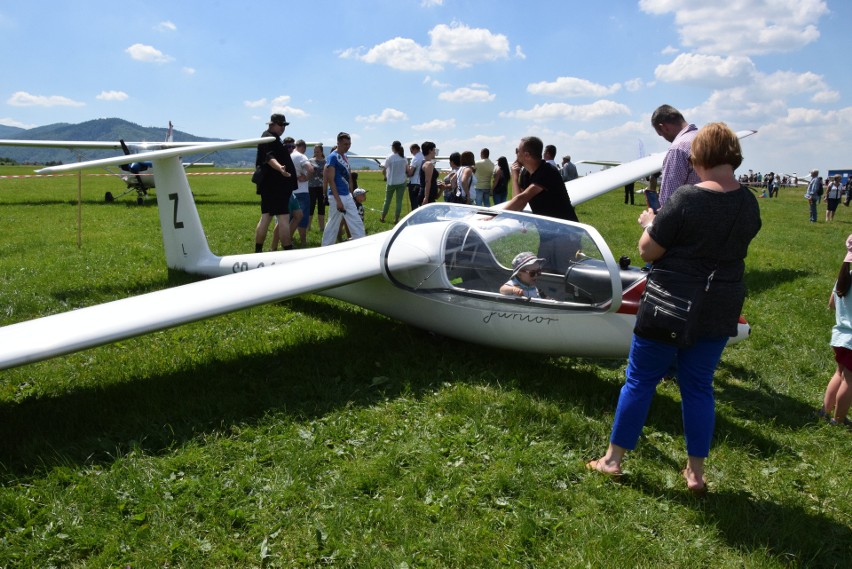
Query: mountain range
(110, 130)
(113, 130)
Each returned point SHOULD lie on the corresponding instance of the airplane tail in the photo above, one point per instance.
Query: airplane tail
(183, 236)
(184, 240)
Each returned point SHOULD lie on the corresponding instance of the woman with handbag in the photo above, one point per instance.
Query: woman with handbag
(702, 236)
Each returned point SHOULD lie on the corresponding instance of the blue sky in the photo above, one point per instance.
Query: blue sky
(584, 76)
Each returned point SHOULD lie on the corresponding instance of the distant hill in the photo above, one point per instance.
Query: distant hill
(9, 131)
(113, 130)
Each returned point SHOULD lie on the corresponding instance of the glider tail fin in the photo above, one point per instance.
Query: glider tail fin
(184, 241)
(183, 237)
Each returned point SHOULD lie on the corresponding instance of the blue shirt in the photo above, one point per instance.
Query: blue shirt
(341, 172)
(529, 291)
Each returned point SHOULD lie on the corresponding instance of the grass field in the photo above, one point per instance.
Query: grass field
(315, 433)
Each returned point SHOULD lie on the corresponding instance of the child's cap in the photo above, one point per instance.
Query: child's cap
(525, 259)
(359, 192)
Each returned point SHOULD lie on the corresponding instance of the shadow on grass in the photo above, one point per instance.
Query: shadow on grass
(760, 280)
(300, 382)
(312, 378)
(787, 533)
(759, 403)
(174, 278)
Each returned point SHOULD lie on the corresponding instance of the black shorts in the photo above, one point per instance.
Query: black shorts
(832, 203)
(275, 202)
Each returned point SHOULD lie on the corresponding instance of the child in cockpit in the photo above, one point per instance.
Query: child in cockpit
(526, 268)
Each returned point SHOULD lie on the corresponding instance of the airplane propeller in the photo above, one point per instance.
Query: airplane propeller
(133, 168)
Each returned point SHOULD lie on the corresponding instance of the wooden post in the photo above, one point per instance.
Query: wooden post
(79, 209)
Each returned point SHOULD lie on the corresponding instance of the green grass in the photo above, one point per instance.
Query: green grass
(315, 433)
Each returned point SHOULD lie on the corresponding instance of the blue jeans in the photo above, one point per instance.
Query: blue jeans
(305, 203)
(483, 198)
(648, 362)
(813, 204)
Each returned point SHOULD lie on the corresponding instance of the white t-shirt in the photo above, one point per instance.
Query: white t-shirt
(416, 163)
(395, 169)
(301, 162)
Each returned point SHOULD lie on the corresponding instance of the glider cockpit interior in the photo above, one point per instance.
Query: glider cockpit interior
(466, 253)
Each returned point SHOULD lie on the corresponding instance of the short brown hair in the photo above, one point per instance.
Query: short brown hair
(714, 145)
(467, 158)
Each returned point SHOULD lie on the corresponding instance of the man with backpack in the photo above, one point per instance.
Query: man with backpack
(813, 193)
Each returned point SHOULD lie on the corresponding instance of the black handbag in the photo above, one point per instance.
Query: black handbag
(670, 306)
(257, 177)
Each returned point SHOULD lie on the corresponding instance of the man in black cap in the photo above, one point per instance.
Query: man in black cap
(276, 184)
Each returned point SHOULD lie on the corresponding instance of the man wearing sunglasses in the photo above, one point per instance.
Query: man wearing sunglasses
(277, 183)
(526, 268)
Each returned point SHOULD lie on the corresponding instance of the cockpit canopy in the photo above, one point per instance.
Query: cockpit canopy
(468, 251)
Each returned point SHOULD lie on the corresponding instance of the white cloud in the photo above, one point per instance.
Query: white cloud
(467, 95)
(792, 83)
(762, 99)
(800, 117)
(748, 106)
(112, 96)
(281, 105)
(24, 99)
(16, 123)
(434, 83)
(633, 85)
(399, 53)
(744, 27)
(188, 70)
(456, 45)
(166, 26)
(147, 53)
(554, 111)
(387, 115)
(707, 70)
(431, 3)
(464, 46)
(572, 87)
(829, 96)
(436, 124)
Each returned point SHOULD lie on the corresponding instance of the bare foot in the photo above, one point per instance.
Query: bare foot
(694, 482)
(601, 465)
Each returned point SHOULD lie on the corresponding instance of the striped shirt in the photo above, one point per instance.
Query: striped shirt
(677, 171)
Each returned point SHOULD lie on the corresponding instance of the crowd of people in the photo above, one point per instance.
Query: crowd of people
(834, 189)
(293, 187)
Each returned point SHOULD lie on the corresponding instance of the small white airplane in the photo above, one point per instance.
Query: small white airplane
(138, 174)
(440, 269)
